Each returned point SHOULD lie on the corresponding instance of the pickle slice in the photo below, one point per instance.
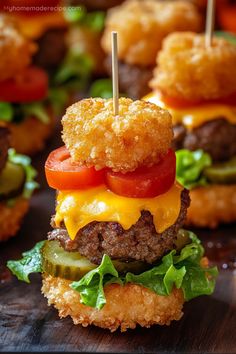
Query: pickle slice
(224, 173)
(68, 265)
(72, 266)
(182, 239)
(12, 180)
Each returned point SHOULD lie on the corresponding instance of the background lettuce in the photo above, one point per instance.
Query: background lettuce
(190, 166)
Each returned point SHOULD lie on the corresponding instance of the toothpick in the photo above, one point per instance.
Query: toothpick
(115, 81)
(210, 20)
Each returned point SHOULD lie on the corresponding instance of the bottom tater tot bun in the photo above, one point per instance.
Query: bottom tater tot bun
(11, 217)
(30, 136)
(212, 205)
(126, 307)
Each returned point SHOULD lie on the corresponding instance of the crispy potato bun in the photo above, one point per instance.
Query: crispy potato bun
(138, 136)
(30, 136)
(212, 205)
(11, 217)
(126, 307)
(187, 69)
(142, 25)
(15, 50)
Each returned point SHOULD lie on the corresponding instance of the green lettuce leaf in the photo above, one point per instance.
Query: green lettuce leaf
(93, 20)
(38, 110)
(58, 97)
(182, 271)
(101, 88)
(91, 285)
(230, 37)
(190, 166)
(30, 263)
(6, 112)
(75, 71)
(30, 172)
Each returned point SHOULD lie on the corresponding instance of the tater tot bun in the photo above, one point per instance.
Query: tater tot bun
(126, 306)
(138, 136)
(212, 205)
(31, 135)
(142, 25)
(187, 69)
(11, 217)
(15, 50)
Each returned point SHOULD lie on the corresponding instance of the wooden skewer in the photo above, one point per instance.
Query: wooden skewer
(115, 81)
(210, 21)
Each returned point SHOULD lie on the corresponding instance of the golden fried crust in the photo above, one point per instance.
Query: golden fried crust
(212, 205)
(126, 307)
(187, 69)
(11, 218)
(30, 136)
(142, 25)
(136, 137)
(15, 50)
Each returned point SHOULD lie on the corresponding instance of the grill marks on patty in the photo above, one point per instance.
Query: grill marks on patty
(216, 137)
(141, 242)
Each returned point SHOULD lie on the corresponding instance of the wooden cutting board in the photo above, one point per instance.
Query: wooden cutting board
(27, 324)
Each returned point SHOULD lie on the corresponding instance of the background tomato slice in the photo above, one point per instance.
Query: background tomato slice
(145, 182)
(64, 174)
(31, 86)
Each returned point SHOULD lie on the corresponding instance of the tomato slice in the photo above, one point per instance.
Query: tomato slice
(179, 103)
(145, 182)
(64, 174)
(226, 13)
(31, 85)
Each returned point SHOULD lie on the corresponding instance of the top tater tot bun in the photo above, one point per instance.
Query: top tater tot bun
(142, 25)
(15, 50)
(187, 69)
(138, 136)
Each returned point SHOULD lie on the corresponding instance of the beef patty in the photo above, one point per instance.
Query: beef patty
(217, 137)
(4, 146)
(52, 49)
(141, 242)
(133, 79)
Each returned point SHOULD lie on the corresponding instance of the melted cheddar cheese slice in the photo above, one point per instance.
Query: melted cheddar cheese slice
(78, 208)
(196, 116)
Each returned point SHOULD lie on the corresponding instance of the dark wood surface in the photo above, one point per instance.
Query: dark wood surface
(27, 324)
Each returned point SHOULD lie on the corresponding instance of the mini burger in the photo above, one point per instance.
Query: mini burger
(24, 105)
(198, 87)
(16, 186)
(117, 256)
(42, 22)
(142, 26)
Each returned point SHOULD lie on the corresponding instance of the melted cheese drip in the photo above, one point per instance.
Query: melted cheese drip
(78, 208)
(195, 116)
(34, 27)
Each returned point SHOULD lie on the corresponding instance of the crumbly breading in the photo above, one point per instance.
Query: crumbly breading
(126, 307)
(138, 136)
(187, 69)
(30, 136)
(212, 205)
(142, 25)
(15, 50)
(11, 217)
